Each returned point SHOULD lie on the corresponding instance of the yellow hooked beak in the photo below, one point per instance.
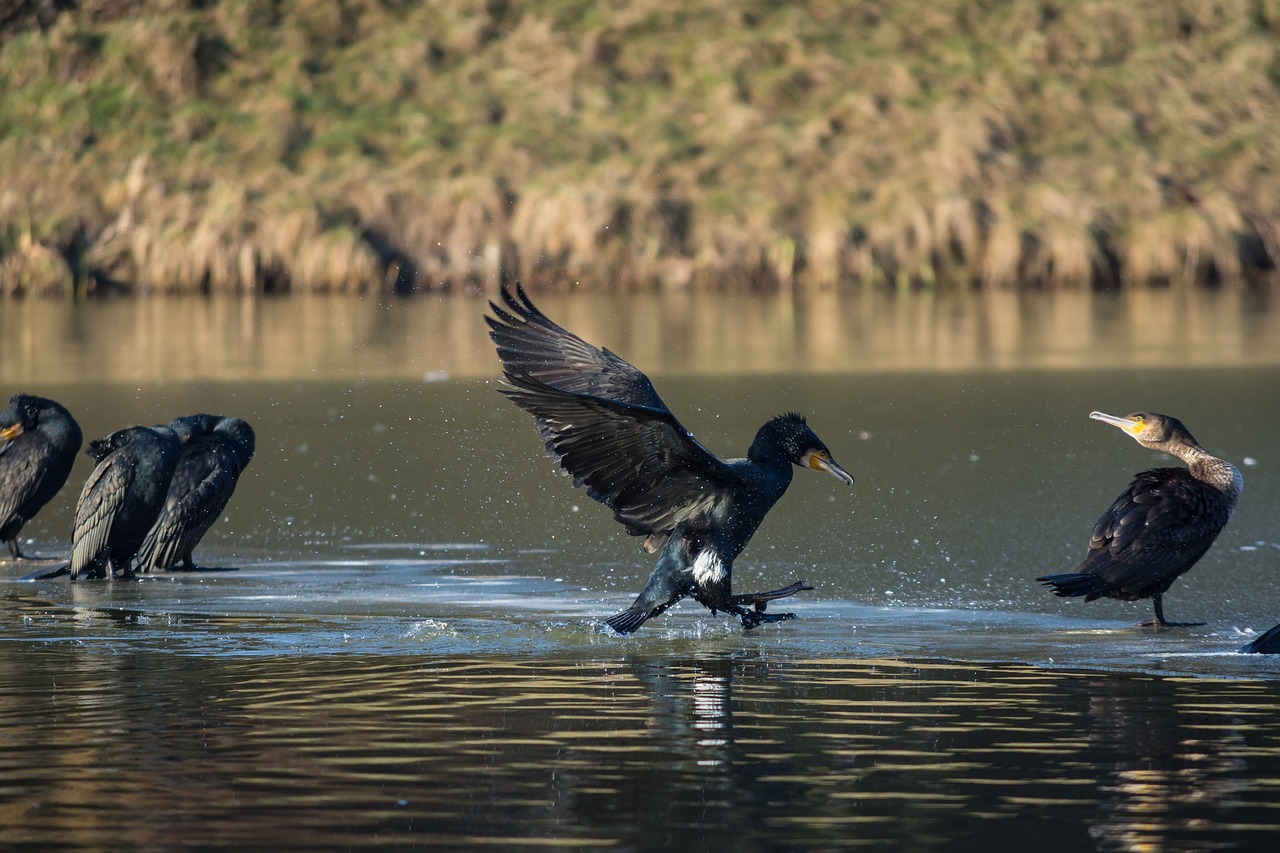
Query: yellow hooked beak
(1131, 425)
(11, 433)
(820, 460)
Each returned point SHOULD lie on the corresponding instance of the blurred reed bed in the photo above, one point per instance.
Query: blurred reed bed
(442, 145)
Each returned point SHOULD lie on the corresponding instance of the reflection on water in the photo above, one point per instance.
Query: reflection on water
(142, 749)
(1159, 761)
(319, 337)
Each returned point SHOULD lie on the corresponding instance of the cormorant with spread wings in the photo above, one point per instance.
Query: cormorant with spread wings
(604, 422)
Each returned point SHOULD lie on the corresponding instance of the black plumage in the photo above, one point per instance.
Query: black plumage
(39, 440)
(1161, 525)
(121, 499)
(609, 429)
(215, 451)
(1264, 644)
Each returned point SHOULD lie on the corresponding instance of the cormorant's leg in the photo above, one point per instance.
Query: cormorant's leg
(188, 564)
(1160, 622)
(119, 572)
(16, 551)
(717, 597)
(761, 599)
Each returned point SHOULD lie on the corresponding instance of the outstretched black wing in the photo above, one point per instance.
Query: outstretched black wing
(601, 418)
(531, 344)
(1156, 530)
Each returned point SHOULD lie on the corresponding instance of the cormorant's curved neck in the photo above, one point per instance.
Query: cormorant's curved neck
(1207, 468)
(1218, 473)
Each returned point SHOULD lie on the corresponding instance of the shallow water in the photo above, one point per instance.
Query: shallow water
(405, 647)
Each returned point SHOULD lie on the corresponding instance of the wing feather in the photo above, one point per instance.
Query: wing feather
(100, 502)
(1155, 531)
(531, 344)
(23, 464)
(602, 419)
(638, 461)
(200, 489)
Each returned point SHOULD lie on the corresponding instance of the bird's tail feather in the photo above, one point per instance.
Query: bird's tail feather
(44, 572)
(1266, 644)
(630, 619)
(1073, 584)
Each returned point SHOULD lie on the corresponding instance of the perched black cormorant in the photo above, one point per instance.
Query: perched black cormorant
(121, 499)
(39, 441)
(215, 450)
(601, 418)
(1161, 525)
(1264, 644)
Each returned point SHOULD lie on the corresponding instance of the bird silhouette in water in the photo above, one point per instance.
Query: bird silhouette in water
(121, 499)
(39, 441)
(1161, 525)
(214, 452)
(601, 418)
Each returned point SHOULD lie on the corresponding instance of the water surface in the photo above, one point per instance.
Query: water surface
(405, 648)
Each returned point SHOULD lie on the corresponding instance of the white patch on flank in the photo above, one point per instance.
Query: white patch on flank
(708, 569)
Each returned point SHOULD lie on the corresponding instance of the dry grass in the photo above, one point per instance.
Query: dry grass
(430, 145)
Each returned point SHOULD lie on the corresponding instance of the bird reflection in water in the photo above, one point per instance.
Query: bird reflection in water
(711, 712)
(1162, 771)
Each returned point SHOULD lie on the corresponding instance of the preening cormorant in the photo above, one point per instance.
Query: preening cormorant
(39, 441)
(215, 450)
(1161, 525)
(121, 499)
(601, 418)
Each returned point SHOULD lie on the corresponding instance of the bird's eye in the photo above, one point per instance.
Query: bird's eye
(822, 454)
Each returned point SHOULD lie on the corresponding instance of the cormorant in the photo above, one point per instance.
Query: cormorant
(121, 499)
(609, 429)
(1264, 644)
(215, 450)
(1161, 525)
(39, 441)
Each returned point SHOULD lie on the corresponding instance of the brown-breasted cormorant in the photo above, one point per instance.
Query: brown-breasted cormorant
(215, 450)
(1161, 525)
(39, 441)
(609, 429)
(121, 499)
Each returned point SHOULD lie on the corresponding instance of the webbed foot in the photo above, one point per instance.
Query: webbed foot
(760, 600)
(753, 618)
